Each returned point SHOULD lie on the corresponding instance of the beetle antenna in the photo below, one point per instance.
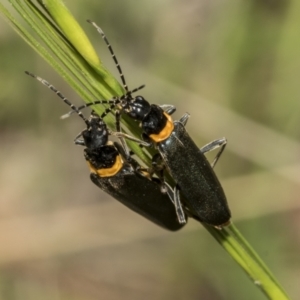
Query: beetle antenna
(112, 55)
(64, 99)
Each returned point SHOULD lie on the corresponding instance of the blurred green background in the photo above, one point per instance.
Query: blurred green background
(233, 65)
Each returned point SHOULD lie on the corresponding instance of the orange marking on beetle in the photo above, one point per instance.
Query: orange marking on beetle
(166, 132)
(108, 172)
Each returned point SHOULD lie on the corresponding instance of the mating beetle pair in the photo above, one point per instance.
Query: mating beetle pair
(118, 174)
(194, 176)
(197, 192)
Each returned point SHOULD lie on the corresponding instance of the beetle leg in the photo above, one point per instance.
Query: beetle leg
(184, 118)
(168, 108)
(122, 139)
(214, 145)
(178, 206)
(175, 198)
(129, 137)
(79, 141)
(158, 168)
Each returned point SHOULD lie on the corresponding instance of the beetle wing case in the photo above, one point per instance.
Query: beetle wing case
(141, 195)
(199, 185)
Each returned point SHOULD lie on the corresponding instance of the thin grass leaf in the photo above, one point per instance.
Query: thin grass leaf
(241, 251)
